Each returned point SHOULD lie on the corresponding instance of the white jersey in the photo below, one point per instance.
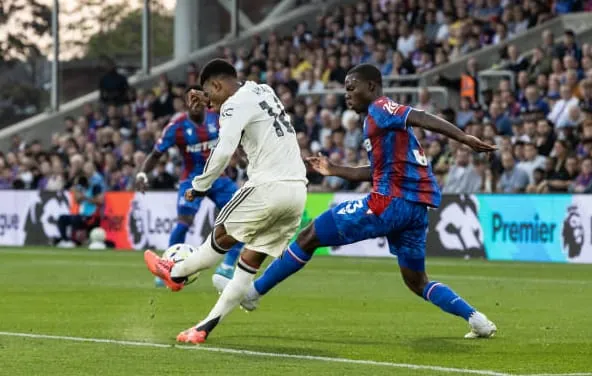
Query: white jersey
(255, 118)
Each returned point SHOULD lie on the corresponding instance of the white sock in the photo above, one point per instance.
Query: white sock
(205, 257)
(233, 293)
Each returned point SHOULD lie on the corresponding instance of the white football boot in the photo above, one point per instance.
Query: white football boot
(251, 300)
(481, 326)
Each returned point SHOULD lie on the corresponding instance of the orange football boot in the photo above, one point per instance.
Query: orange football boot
(192, 335)
(162, 269)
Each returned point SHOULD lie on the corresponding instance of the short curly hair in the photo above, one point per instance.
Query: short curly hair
(215, 68)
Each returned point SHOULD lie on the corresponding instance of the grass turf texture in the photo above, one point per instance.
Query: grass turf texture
(336, 307)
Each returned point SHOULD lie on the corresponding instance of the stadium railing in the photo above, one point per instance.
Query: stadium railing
(580, 23)
(438, 93)
(488, 79)
(409, 79)
(42, 126)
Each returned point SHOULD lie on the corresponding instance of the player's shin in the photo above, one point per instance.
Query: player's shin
(231, 296)
(232, 255)
(178, 234)
(207, 255)
(292, 260)
(444, 297)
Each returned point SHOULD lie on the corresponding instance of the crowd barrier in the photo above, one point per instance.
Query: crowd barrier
(549, 228)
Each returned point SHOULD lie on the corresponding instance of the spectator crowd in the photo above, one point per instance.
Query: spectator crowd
(543, 126)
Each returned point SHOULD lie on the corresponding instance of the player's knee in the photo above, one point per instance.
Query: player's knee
(252, 258)
(307, 239)
(222, 238)
(186, 219)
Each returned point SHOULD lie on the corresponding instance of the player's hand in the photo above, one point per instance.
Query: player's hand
(478, 145)
(197, 100)
(320, 164)
(191, 194)
(141, 182)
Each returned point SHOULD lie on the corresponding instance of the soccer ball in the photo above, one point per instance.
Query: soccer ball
(178, 253)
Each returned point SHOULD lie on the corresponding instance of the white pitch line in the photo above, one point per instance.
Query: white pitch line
(560, 374)
(281, 355)
(259, 354)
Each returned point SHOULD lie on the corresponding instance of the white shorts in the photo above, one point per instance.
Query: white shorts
(265, 217)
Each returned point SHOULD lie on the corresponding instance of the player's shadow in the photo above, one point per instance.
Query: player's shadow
(440, 345)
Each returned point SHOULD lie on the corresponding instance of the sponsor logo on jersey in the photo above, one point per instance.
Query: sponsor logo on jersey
(202, 146)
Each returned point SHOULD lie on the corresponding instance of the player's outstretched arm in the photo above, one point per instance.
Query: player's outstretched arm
(323, 166)
(147, 166)
(433, 123)
(233, 120)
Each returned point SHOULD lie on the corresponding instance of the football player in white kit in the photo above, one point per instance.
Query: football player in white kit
(265, 213)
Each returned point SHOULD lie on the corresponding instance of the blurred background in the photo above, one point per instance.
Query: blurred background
(517, 74)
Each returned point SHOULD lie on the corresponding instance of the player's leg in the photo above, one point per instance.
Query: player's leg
(218, 243)
(211, 252)
(185, 213)
(294, 258)
(409, 246)
(265, 220)
(249, 263)
(221, 193)
(174, 275)
(346, 223)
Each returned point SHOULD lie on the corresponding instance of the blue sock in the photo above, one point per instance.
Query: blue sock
(232, 255)
(443, 296)
(178, 234)
(292, 260)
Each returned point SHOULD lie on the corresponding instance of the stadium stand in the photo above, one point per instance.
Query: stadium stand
(537, 107)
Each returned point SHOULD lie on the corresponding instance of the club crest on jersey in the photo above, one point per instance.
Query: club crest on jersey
(227, 112)
(367, 145)
(212, 128)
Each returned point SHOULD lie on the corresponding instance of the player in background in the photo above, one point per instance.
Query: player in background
(403, 188)
(195, 133)
(266, 212)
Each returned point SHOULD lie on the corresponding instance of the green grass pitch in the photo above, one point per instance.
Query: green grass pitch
(346, 308)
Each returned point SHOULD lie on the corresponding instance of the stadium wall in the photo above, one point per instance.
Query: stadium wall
(549, 228)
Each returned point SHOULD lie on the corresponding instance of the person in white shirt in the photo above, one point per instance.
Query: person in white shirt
(266, 212)
(532, 161)
(462, 176)
(311, 82)
(406, 41)
(560, 111)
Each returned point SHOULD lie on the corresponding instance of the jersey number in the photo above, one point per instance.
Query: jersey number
(279, 115)
(351, 207)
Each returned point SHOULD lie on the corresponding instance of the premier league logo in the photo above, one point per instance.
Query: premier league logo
(572, 235)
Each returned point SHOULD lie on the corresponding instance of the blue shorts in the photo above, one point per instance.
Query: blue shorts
(221, 192)
(403, 223)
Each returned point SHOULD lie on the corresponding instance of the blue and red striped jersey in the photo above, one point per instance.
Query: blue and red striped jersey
(195, 141)
(400, 167)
